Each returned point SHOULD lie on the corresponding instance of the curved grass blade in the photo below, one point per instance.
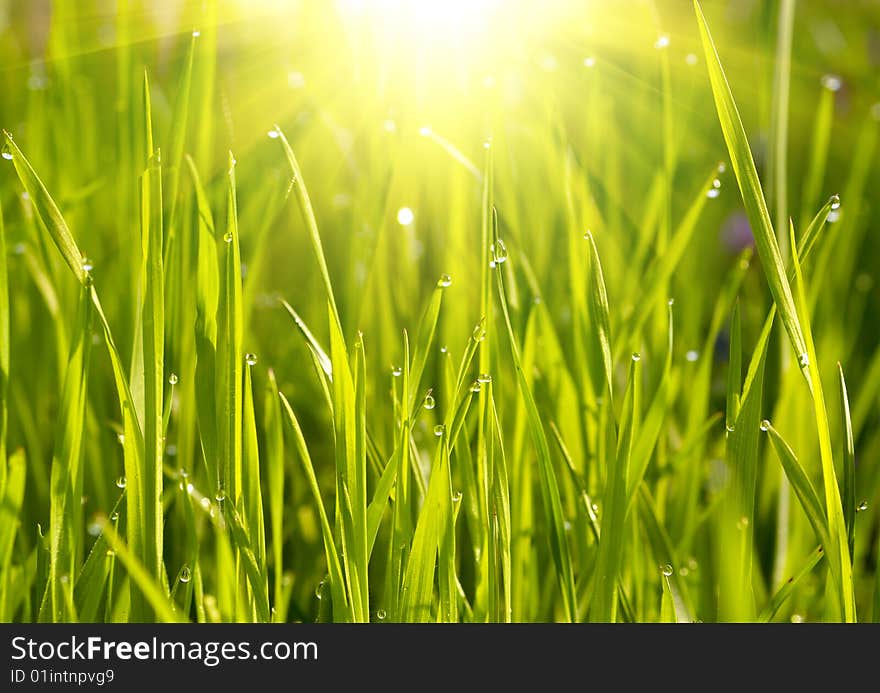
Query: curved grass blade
(848, 456)
(784, 592)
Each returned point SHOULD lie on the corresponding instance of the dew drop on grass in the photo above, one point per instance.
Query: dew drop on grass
(831, 82)
(114, 516)
(716, 183)
(835, 201)
(172, 379)
(250, 359)
(110, 553)
(765, 425)
(220, 496)
(479, 333)
(863, 506)
(443, 350)
(228, 237)
(456, 497)
(121, 482)
(730, 428)
(662, 42)
(429, 402)
(666, 570)
(804, 360)
(636, 356)
(196, 33)
(319, 589)
(439, 430)
(712, 193)
(87, 265)
(476, 387)
(499, 252)
(396, 371)
(692, 355)
(444, 281)
(274, 134)
(722, 167)
(380, 614)
(742, 523)
(484, 378)
(797, 618)
(405, 216)
(120, 437)
(185, 574)
(6, 154)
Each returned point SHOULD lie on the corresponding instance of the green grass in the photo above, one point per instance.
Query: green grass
(455, 335)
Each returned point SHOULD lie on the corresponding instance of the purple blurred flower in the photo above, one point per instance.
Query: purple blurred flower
(736, 234)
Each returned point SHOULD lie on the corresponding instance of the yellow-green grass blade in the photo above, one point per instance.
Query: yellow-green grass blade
(4, 350)
(230, 356)
(154, 593)
(800, 483)
(549, 485)
(750, 188)
(785, 591)
(207, 301)
(65, 506)
(737, 530)
(338, 586)
(603, 375)
(153, 334)
(848, 457)
(12, 495)
(47, 211)
(734, 370)
(837, 551)
(317, 349)
(252, 495)
(275, 477)
(814, 230)
(604, 605)
(308, 215)
(253, 566)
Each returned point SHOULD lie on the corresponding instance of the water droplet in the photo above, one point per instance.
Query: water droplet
(730, 428)
(220, 496)
(636, 356)
(588, 235)
(250, 359)
(172, 379)
(662, 42)
(120, 437)
(692, 355)
(595, 508)
(456, 497)
(716, 183)
(566, 526)
(396, 371)
(425, 130)
(197, 33)
(171, 450)
(742, 523)
(589, 61)
(479, 333)
(476, 387)
(722, 167)
(797, 618)
(862, 506)
(712, 193)
(228, 237)
(114, 516)
(87, 265)
(274, 134)
(670, 302)
(185, 574)
(110, 553)
(499, 252)
(831, 82)
(444, 281)
(692, 563)
(121, 482)
(444, 350)
(380, 614)
(439, 430)
(205, 503)
(835, 201)
(833, 216)
(65, 578)
(666, 570)
(429, 402)
(765, 425)
(6, 154)
(405, 216)
(319, 589)
(804, 360)
(691, 59)
(484, 378)
(190, 488)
